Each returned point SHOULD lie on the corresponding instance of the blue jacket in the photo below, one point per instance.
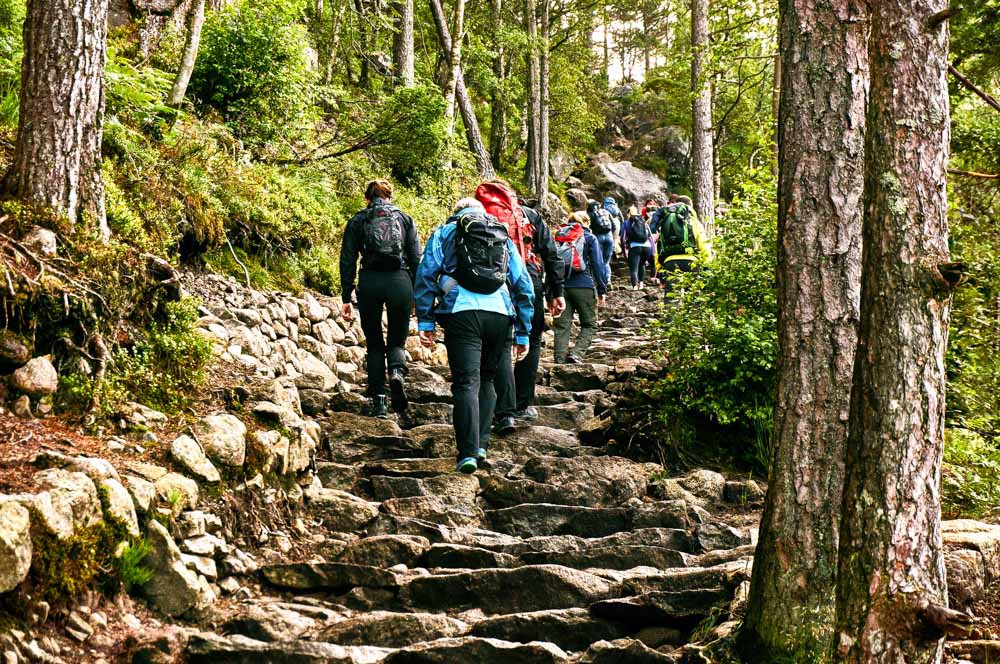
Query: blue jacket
(591, 277)
(437, 293)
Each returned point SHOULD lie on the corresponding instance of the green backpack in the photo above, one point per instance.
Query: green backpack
(676, 231)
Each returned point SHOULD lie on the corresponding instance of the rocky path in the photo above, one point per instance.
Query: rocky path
(554, 552)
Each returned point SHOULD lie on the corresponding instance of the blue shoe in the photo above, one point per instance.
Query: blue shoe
(481, 455)
(467, 465)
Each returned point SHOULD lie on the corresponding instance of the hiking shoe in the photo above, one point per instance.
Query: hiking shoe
(572, 359)
(378, 407)
(468, 465)
(528, 414)
(505, 425)
(481, 455)
(397, 388)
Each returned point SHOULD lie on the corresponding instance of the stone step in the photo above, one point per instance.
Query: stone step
(570, 629)
(214, 649)
(502, 591)
(387, 629)
(328, 576)
(474, 649)
(539, 519)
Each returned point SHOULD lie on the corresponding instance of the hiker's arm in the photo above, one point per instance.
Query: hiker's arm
(349, 249)
(412, 247)
(555, 269)
(702, 240)
(425, 288)
(522, 295)
(595, 259)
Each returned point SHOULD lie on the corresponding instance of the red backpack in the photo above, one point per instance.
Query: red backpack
(501, 202)
(570, 243)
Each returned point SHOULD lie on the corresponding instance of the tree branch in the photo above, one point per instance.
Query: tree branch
(973, 174)
(974, 88)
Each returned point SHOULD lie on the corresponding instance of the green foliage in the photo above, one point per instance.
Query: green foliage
(252, 69)
(129, 565)
(721, 336)
(971, 475)
(411, 132)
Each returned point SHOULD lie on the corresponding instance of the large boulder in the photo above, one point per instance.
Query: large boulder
(15, 545)
(38, 377)
(188, 453)
(73, 500)
(664, 148)
(15, 350)
(629, 184)
(224, 439)
(173, 589)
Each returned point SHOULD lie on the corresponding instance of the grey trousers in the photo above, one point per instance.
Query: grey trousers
(581, 301)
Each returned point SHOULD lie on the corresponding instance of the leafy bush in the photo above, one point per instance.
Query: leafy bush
(720, 335)
(252, 69)
(971, 475)
(411, 132)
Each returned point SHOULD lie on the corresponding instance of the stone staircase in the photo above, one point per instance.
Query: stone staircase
(554, 552)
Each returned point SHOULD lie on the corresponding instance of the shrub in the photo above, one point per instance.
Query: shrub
(721, 336)
(971, 475)
(252, 69)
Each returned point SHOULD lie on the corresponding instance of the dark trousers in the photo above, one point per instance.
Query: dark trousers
(393, 292)
(475, 340)
(670, 266)
(515, 384)
(637, 259)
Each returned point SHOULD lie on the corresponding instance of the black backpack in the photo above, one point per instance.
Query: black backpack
(638, 230)
(602, 222)
(676, 231)
(481, 254)
(384, 237)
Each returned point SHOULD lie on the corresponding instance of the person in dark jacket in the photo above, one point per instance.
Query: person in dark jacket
(386, 240)
(585, 290)
(477, 329)
(515, 384)
(637, 238)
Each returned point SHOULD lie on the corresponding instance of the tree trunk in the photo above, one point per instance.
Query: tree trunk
(57, 161)
(475, 139)
(196, 19)
(542, 184)
(820, 185)
(533, 95)
(403, 44)
(454, 63)
(498, 101)
(702, 170)
(891, 577)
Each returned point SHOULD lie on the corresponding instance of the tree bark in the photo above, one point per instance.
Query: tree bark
(498, 101)
(891, 577)
(454, 63)
(820, 185)
(196, 19)
(703, 179)
(403, 44)
(475, 139)
(57, 161)
(542, 184)
(533, 95)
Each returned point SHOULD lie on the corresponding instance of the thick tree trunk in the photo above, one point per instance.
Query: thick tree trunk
(820, 186)
(403, 44)
(57, 161)
(702, 171)
(891, 580)
(475, 139)
(498, 100)
(533, 95)
(196, 19)
(542, 184)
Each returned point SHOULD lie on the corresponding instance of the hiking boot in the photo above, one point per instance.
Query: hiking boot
(481, 455)
(572, 359)
(528, 414)
(468, 465)
(397, 388)
(505, 425)
(378, 407)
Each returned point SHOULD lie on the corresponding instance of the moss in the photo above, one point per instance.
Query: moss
(62, 569)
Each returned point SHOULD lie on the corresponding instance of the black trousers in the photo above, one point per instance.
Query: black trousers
(475, 340)
(675, 265)
(393, 292)
(515, 384)
(637, 259)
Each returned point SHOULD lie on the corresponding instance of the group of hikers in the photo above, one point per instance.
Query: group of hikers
(487, 276)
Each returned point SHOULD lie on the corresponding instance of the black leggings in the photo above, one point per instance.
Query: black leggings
(638, 257)
(392, 291)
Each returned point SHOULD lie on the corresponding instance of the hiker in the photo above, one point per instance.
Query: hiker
(386, 240)
(617, 221)
(637, 237)
(603, 228)
(515, 384)
(683, 245)
(472, 280)
(584, 275)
